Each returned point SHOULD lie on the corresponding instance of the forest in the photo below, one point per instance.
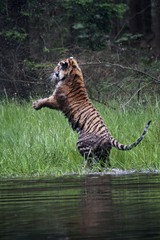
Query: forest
(117, 44)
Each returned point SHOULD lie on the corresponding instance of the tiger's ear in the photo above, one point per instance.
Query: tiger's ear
(73, 62)
(64, 65)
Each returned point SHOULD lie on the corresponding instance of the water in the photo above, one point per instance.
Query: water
(86, 207)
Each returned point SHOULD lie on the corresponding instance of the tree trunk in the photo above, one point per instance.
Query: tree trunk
(140, 16)
(133, 18)
(156, 26)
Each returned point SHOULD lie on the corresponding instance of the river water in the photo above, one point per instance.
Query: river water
(81, 207)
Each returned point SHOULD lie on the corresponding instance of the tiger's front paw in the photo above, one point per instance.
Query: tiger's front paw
(36, 105)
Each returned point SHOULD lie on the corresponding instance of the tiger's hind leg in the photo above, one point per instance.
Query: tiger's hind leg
(85, 145)
(105, 162)
(87, 154)
(90, 148)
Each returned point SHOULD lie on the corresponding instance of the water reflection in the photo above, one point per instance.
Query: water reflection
(88, 207)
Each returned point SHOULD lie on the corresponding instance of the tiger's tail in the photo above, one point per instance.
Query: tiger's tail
(116, 144)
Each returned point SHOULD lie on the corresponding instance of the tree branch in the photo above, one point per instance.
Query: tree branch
(107, 64)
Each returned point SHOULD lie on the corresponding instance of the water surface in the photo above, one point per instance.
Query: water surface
(81, 207)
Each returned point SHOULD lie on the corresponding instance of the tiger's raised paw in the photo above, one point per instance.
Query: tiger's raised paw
(36, 105)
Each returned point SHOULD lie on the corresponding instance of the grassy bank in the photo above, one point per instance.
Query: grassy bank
(42, 143)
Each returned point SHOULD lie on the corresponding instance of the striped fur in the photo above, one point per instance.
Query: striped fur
(70, 97)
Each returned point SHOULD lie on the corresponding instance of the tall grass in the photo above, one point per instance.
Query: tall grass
(42, 142)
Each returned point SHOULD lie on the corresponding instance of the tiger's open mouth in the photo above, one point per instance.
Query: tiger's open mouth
(54, 78)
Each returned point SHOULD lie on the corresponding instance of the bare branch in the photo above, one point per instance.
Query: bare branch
(22, 81)
(107, 64)
(136, 92)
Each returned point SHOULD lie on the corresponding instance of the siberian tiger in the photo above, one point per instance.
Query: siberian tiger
(70, 96)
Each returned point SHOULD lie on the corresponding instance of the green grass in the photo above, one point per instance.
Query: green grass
(40, 143)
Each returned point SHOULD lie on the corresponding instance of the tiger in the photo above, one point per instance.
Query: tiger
(70, 96)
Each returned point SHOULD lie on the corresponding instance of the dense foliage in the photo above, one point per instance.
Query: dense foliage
(36, 33)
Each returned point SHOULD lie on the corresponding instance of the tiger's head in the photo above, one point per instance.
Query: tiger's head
(64, 69)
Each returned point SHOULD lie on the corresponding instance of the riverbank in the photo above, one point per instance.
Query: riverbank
(42, 143)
